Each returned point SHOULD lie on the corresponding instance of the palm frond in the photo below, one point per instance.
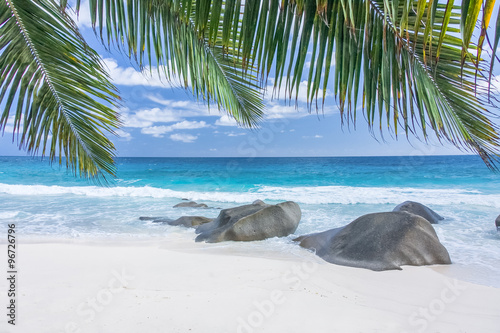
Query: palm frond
(178, 37)
(496, 38)
(405, 60)
(53, 86)
(408, 61)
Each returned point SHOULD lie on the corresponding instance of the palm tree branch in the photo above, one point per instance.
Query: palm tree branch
(56, 81)
(185, 44)
(414, 66)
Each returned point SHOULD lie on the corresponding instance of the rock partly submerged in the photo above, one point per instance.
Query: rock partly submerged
(380, 241)
(185, 221)
(497, 223)
(190, 221)
(192, 204)
(420, 210)
(257, 221)
(149, 218)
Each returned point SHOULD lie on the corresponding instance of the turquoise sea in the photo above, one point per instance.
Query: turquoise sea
(47, 202)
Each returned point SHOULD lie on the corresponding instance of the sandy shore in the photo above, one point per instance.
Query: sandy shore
(139, 286)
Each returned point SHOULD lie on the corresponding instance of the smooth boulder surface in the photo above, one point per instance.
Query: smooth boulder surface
(190, 204)
(420, 210)
(497, 223)
(380, 241)
(252, 222)
(319, 239)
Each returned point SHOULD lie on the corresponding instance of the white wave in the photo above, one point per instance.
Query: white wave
(305, 195)
(8, 215)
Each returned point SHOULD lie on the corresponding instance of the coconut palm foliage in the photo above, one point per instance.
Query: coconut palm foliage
(409, 65)
(59, 97)
(404, 64)
(169, 34)
(53, 87)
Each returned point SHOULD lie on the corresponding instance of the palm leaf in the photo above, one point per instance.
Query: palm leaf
(405, 60)
(186, 41)
(53, 86)
(414, 70)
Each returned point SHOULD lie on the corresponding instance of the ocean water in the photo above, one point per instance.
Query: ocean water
(45, 201)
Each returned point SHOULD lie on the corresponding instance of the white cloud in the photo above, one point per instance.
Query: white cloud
(9, 125)
(126, 136)
(129, 76)
(172, 103)
(133, 121)
(225, 120)
(147, 117)
(495, 84)
(312, 137)
(189, 125)
(213, 149)
(277, 111)
(83, 18)
(159, 131)
(157, 115)
(283, 94)
(172, 111)
(7, 129)
(234, 134)
(183, 137)
(156, 131)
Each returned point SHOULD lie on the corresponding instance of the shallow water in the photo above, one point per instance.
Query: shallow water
(46, 201)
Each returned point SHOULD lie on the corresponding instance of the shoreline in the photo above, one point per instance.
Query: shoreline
(170, 285)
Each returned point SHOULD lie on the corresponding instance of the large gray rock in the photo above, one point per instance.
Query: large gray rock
(251, 222)
(190, 204)
(380, 241)
(497, 223)
(420, 210)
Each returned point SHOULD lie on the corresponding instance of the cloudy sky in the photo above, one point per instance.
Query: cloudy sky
(161, 120)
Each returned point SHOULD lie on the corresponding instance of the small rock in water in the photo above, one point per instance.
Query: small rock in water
(497, 223)
(420, 210)
(162, 220)
(190, 221)
(149, 218)
(185, 221)
(191, 204)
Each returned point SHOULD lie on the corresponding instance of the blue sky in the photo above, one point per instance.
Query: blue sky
(163, 121)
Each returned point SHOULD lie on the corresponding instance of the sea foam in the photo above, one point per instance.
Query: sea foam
(306, 195)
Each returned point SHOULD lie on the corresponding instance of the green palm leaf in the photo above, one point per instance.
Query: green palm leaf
(53, 86)
(406, 56)
(185, 45)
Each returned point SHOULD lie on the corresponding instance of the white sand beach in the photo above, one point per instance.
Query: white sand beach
(155, 286)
